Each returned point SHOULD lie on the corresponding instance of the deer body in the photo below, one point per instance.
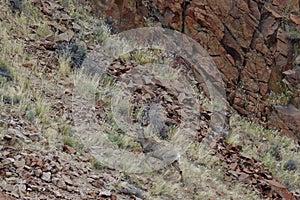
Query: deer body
(156, 150)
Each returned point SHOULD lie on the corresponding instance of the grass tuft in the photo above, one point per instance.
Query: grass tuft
(275, 151)
(64, 65)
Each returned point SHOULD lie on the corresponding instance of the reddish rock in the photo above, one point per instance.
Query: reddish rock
(192, 26)
(220, 8)
(246, 41)
(288, 4)
(268, 26)
(263, 88)
(287, 118)
(274, 12)
(260, 46)
(251, 108)
(69, 149)
(292, 76)
(171, 19)
(283, 44)
(275, 80)
(295, 19)
(239, 100)
(249, 82)
(254, 10)
(240, 109)
(263, 73)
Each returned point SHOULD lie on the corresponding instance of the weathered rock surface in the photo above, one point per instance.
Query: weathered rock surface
(287, 118)
(249, 41)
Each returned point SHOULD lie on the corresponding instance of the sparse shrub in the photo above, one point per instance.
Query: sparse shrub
(30, 115)
(65, 130)
(96, 164)
(11, 99)
(86, 84)
(293, 34)
(5, 73)
(144, 56)
(290, 165)
(123, 141)
(275, 152)
(64, 65)
(38, 112)
(73, 142)
(101, 32)
(44, 30)
(76, 53)
(16, 6)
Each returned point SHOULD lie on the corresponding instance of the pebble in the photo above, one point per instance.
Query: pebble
(38, 172)
(61, 184)
(7, 137)
(10, 160)
(134, 191)
(8, 173)
(69, 149)
(97, 184)
(75, 173)
(35, 137)
(22, 188)
(70, 188)
(27, 167)
(105, 193)
(57, 193)
(46, 176)
(67, 179)
(90, 180)
(94, 176)
(19, 163)
(34, 187)
(11, 180)
(5, 153)
(47, 167)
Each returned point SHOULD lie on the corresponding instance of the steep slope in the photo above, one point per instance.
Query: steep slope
(44, 95)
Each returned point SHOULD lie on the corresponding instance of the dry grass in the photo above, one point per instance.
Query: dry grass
(273, 150)
(64, 65)
(202, 172)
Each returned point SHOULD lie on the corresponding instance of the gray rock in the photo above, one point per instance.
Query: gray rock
(57, 194)
(38, 172)
(22, 188)
(67, 180)
(61, 184)
(46, 176)
(11, 180)
(19, 163)
(8, 174)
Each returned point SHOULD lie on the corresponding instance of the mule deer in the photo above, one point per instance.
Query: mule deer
(154, 117)
(152, 148)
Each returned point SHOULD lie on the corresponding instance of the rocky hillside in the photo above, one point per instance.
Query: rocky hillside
(70, 113)
(255, 44)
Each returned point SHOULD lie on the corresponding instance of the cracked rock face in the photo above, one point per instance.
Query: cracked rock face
(287, 118)
(248, 40)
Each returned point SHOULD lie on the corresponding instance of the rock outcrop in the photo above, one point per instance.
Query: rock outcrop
(287, 119)
(253, 43)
